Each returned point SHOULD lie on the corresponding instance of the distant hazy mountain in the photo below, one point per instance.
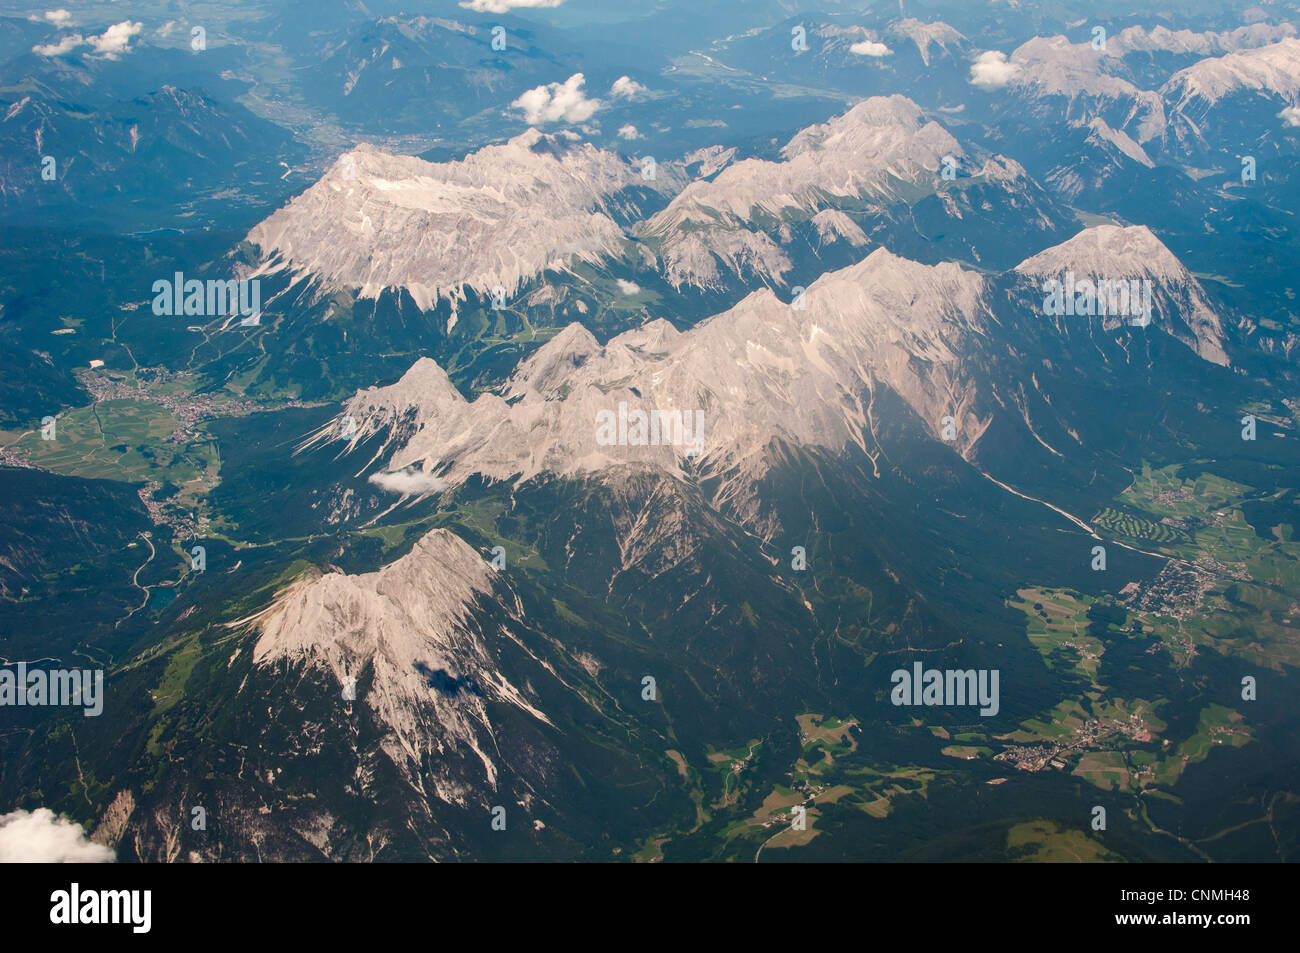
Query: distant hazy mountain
(169, 155)
(427, 73)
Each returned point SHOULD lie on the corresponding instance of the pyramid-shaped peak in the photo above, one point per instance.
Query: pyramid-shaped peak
(551, 364)
(882, 263)
(574, 336)
(654, 335)
(871, 116)
(881, 109)
(425, 383)
(1113, 251)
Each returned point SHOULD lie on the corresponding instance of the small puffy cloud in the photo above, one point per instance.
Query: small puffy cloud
(870, 48)
(992, 70)
(625, 87)
(505, 6)
(408, 482)
(58, 17)
(65, 45)
(42, 837)
(113, 41)
(628, 132)
(1290, 116)
(116, 38)
(628, 287)
(554, 102)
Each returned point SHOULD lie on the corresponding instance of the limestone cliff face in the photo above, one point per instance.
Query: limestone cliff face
(415, 625)
(438, 230)
(802, 372)
(868, 156)
(1110, 252)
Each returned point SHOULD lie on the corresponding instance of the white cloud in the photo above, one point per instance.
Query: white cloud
(1290, 116)
(626, 88)
(116, 39)
(869, 48)
(628, 132)
(557, 101)
(505, 6)
(992, 70)
(65, 45)
(58, 17)
(408, 483)
(41, 837)
(628, 287)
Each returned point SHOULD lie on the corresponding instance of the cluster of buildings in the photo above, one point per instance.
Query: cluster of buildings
(1091, 735)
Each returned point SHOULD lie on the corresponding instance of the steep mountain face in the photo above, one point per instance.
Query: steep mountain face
(411, 627)
(1180, 96)
(1054, 76)
(1272, 70)
(1234, 102)
(881, 172)
(415, 762)
(1120, 69)
(653, 565)
(802, 372)
(882, 153)
(1101, 156)
(643, 579)
(711, 403)
(1121, 255)
(440, 230)
(1152, 54)
(931, 39)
